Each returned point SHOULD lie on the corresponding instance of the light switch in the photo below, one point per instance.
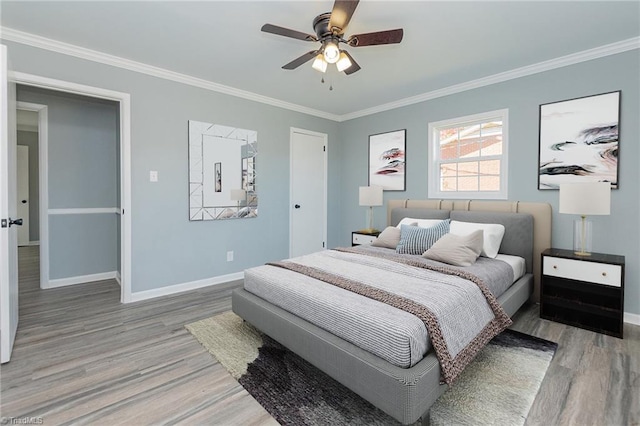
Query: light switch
(153, 176)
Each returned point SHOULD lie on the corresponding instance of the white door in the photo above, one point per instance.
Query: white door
(308, 201)
(23, 194)
(8, 233)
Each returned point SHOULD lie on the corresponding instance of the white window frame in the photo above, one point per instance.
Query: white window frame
(434, 157)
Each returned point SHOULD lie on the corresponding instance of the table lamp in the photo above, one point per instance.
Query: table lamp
(584, 199)
(370, 196)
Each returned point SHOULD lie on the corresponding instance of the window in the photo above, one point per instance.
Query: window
(469, 156)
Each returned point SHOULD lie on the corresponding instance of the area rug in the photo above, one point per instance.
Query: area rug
(498, 387)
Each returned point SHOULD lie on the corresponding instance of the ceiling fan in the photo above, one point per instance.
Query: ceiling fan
(330, 28)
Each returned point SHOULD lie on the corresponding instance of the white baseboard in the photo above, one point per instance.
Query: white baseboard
(119, 278)
(33, 243)
(632, 318)
(179, 288)
(81, 279)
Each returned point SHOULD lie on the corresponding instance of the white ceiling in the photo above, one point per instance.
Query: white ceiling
(445, 43)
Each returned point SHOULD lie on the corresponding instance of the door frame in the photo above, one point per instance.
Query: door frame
(43, 184)
(124, 101)
(325, 138)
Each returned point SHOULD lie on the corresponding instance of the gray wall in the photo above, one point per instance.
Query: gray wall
(618, 233)
(30, 139)
(82, 173)
(167, 248)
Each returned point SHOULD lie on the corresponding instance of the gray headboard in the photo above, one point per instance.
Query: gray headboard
(518, 235)
(398, 214)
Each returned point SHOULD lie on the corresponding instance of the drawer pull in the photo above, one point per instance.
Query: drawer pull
(604, 274)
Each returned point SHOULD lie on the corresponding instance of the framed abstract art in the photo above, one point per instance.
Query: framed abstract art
(387, 160)
(579, 141)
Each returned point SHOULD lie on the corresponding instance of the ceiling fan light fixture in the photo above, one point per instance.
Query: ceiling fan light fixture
(319, 64)
(331, 52)
(344, 62)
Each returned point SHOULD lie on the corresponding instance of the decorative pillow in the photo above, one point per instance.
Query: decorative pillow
(458, 250)
(389, 238)
(422, 223)
(493, 233)
(415, 240)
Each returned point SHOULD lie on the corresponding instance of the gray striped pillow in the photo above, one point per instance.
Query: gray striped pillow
(416, 240)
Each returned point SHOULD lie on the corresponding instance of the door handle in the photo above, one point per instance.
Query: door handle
(15, 222)
(297, 206)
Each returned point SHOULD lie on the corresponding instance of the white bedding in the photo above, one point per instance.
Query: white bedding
(517, 263)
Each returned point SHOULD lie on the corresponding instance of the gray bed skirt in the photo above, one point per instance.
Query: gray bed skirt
(406, 394)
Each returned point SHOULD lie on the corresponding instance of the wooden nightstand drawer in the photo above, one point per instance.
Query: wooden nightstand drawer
(357, 239)
(594, 272)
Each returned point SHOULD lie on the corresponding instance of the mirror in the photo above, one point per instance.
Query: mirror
(222, 172)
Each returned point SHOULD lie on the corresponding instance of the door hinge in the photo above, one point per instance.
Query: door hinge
(3, 223)
(323, 244)
(324, 148)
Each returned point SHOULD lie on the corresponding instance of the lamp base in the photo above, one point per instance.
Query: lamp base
(582, 237)
(369, 231)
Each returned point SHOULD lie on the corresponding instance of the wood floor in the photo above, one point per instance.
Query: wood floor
(82, 357)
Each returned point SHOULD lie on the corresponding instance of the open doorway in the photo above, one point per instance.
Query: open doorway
(79, 223)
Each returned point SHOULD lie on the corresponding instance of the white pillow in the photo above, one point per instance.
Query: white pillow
(420, 223)
(492, 235)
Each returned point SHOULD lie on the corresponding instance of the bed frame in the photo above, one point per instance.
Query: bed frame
(406, 394)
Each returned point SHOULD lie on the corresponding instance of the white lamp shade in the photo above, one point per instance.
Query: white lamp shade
(585, 199)
(238, 194)
(370, 195)
(319, 63)
(344, 62)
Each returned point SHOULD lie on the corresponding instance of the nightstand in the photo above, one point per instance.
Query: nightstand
(359, 237)
(583, 291)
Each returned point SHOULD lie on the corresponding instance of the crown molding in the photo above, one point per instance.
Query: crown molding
(116, 61)
(40, 42)
(563, 61)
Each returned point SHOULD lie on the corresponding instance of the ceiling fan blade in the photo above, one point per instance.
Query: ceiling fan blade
(354, 65)
(301, 60)
(377, 38)
(342, 13)
(274, 29)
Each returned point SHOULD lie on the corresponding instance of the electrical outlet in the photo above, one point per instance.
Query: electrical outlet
(229, 256)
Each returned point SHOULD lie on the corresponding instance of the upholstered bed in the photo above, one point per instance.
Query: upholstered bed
(403, 391)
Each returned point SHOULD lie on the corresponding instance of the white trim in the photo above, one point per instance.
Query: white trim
(560, 62)
(325, 139)
(433, 181)
(33, 243)
(43, 184)
(97, 210)
(124, 99)
(179, 288)
(81, 279)
(632, 318)
(116, 61)
(118, 278)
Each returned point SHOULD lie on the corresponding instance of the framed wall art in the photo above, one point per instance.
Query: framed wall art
(387, 160)
(579, 141)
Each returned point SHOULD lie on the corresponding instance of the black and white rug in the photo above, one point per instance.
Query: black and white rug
(498, 387)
